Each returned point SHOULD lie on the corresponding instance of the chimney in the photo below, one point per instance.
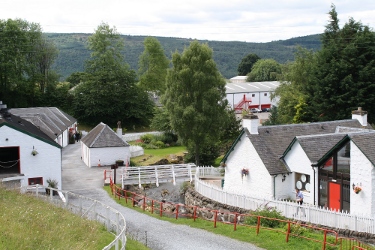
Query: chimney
(251, 122)
(360, 115)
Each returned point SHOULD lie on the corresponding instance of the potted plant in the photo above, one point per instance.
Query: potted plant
(244, 172)
(34, 152)
(52, 183)
(357, 189)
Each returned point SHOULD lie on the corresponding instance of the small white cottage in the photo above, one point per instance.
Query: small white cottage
(331, 162)
(27, 155)
(102, 146)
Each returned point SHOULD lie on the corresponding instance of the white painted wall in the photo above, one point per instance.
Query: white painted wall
(297, 160)
(46, 164)
(257, 100)
(107, 156)
(362, 173)
(258, 182)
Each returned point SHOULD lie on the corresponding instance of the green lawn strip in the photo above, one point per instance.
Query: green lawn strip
(27, 222)
(266, 239)
(165, 151)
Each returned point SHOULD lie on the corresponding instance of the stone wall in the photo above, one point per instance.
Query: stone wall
(207, 207)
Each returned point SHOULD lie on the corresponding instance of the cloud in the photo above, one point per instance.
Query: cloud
(236, 20)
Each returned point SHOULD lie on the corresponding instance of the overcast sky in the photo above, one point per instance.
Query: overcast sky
(222, 20)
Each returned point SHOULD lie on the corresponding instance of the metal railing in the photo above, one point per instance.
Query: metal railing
(86, 207)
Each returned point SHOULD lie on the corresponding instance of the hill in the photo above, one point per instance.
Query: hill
(227, 55)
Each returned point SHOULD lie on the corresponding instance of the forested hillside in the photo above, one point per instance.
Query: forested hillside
(227, 55)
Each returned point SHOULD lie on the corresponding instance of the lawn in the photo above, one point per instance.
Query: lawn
(153, 155)
(27, 222)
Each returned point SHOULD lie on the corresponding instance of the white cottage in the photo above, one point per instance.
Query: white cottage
(27, 155)
(328, 161)
(102, 146)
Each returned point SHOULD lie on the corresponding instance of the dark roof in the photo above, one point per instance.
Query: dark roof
(272, 141)
(316, 147)
(366, 143)
(51, 120)
(22, 125)
(103, 136)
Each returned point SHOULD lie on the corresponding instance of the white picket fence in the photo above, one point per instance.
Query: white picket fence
(307, 213)
(137, 136)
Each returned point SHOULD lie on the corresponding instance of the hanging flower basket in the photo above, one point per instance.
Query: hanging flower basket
(357, 189)
(244, 172)
(34, 152)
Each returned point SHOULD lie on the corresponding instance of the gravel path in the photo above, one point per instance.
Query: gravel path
(157, 234)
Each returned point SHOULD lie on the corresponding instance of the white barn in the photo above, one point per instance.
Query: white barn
(102, 146)
(27, 155)
(326, 160)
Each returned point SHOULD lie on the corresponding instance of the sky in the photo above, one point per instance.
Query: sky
(220, 20)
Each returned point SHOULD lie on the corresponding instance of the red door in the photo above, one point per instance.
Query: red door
(334, 196)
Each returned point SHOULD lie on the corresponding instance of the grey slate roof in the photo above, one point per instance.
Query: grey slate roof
(366, 143)
(24, 126)
(317, 146)
(50, 120)
(103, 136)
(272, 141)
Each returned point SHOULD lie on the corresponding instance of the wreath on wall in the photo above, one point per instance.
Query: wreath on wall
(244, 172)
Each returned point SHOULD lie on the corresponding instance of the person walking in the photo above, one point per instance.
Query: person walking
(299, 199)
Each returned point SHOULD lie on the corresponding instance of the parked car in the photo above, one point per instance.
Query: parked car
(255, 110)
(266, 110)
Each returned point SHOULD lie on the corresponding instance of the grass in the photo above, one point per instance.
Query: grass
(153, 155)
(27, 222)
(266, 239)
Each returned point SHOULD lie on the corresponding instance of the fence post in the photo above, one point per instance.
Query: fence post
(152, 206)
(195, 212)
(161, 209)
(288, 232)
(37, 190)
(215, 218)
(324, 240)
(126, 196)
(235, 221)
(139, 177)
(66, 199)
(177, 211)
(258, 225)
(144, 203)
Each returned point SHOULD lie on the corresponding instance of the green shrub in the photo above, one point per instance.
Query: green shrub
(296, 229)
(150, 146)
(147, 138)
(159, 144)
(269, 212)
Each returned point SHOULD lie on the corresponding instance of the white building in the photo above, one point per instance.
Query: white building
(27, 155)
(259, 93)
(102, 146)
(326, 160)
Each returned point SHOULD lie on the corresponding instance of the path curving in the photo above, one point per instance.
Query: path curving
(157, 234)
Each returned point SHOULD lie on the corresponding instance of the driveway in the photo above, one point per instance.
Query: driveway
(80, 179)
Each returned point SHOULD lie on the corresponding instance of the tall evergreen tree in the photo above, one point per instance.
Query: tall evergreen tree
(345, 71)
(108, 92)
(195, 98)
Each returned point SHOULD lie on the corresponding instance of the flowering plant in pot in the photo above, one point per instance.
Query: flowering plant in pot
(357, 189)
(34, 152)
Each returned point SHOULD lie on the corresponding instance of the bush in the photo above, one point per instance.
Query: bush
(269, 212)
(159, 144)
(147, 138)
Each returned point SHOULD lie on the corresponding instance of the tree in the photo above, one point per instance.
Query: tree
(153, 65)
(75, 78)
(246, 64)
(195, 98)
(264, 70)
(344, 71)
(292, 93)
(25, 62)
(108, 92)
